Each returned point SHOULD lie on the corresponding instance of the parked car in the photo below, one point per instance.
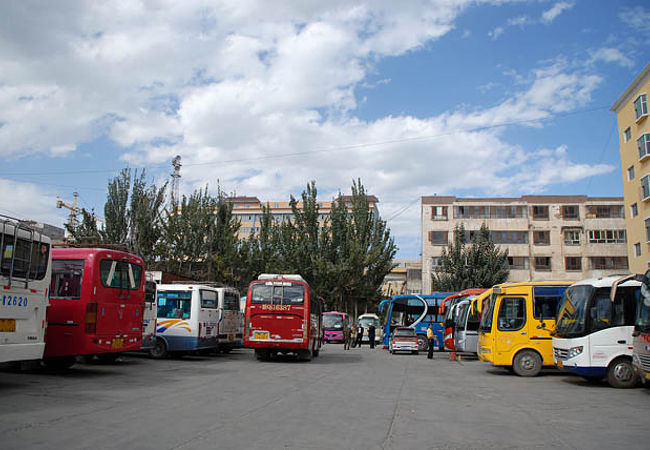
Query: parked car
(403, 339)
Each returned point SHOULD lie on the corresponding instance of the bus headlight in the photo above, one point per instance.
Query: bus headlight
(574, 351)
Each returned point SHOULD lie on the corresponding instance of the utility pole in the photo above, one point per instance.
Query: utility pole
(176, 175)
(73, 208)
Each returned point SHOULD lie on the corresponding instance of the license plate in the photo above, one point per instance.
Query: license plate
(7, 325)
(560, 364)
(647, 376)
(231, 337)
(118, 343)
(261, 335)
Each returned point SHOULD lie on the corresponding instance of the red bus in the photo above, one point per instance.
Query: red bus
(96, 305)
(283, 315)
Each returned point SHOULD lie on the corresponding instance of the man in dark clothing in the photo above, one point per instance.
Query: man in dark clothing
(359, 334)
(371, 335)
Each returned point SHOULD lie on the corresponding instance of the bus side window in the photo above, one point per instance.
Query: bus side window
(512, 314)
(601, 312)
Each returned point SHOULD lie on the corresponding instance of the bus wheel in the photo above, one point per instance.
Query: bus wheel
(226, 350)
(305, 355)
(423, 344)
(59, 363)
(159, 350)
(620, 374)
(527, 363)
(262, 355)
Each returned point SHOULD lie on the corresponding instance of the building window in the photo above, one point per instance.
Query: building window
(540, 212)
(572, 237)
(645, 187)
(508, 237)
(570, 212)
(436, 262)
(517, 262)
(647, 230)
(439, 212)
(634, 210)
(490, 212)
(605, 211)
(543, 263)
(573, 263)
(438, 237)
(637, 249)
(542, 237)
(627, 134)
(643, 144)
(606, 236)
(609, 263)
(640, 106)
(630, 173)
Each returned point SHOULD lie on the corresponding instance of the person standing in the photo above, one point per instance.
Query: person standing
(371, 335)
(359, 334)
(431, 339)
(353, 335)
(347, 335)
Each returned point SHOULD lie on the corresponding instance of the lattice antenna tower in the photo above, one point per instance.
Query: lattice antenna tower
(176, 176)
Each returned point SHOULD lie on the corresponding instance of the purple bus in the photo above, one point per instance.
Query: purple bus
(334, 324)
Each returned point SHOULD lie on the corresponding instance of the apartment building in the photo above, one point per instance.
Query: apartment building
(547, 237)
(631, 110)
(249, 211)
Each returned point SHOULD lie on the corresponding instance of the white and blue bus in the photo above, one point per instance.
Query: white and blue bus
(187, 318)
(593, 332)
(414, 311)
(25, 274)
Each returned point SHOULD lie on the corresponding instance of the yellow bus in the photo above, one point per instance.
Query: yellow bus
(516, 325)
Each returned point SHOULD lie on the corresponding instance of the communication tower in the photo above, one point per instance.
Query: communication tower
(176, 175)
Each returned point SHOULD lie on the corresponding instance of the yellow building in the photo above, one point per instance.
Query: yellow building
(634, 145)
(249, 211)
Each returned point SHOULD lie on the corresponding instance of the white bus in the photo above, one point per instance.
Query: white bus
(593, 333)
(365, 320)
(230, 320)
(187, 319)
(25, 273)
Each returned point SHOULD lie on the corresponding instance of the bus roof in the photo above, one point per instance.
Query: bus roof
(83, 252)
(605, 282)
(281, 277)
(433, 295)
(185, 287)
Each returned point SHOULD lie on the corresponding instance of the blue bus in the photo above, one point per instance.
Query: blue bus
(415, 311)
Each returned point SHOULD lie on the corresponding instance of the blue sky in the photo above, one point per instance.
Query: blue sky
(467, 98)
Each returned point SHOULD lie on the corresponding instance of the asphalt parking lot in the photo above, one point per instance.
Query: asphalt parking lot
(357, 399)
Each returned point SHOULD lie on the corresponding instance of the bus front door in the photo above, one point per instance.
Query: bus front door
(511, 329)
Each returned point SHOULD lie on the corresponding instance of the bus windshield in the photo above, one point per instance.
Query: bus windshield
(571, 319)
(174, 304)
(332, 321)
(488, 310)
(365, 322)
(278, 293)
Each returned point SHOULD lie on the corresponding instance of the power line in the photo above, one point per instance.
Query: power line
(402, 210)
(325, 150)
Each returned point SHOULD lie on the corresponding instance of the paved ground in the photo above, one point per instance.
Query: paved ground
(357, 399)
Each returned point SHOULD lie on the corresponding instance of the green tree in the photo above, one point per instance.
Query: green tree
(477, 265)
(145, 217)
(116, 229)
(86, 232)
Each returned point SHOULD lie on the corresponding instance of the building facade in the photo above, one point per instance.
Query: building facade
(249, 211)
(547, 237)
(634, 146)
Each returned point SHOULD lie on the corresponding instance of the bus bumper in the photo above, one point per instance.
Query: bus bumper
(21, 352)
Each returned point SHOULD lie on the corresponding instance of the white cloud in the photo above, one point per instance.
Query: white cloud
(611, 55)
(550, 15)
(236, 87)
(637, 17)
(28, 201)
(495, 33)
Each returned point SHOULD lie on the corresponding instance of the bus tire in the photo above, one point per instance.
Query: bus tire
(159, 350)
(262, 355)
(226, 350)
(423, 343)
(620, 373)
(306, 355)
(60, 362)
(527, 363)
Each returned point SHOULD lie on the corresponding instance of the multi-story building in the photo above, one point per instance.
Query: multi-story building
(547, 237)
(631, 110)
(249, 211)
